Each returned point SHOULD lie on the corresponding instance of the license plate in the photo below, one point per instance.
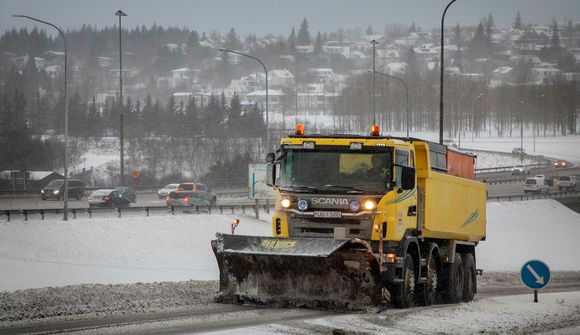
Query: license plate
(326, 214)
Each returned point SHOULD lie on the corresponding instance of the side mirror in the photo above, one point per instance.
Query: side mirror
(408, 178)
(270, 174)
(270, 157)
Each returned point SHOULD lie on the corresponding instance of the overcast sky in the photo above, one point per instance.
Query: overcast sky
(278, 17)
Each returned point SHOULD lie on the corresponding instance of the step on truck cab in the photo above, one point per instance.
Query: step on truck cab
(361, 220)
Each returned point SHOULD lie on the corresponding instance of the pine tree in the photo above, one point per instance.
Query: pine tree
(292, 42)
(518, 22)
(303, 33)
(370, 30)
(232, 40)
(318, 44)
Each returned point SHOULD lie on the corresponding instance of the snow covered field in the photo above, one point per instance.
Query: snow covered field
(38, 253)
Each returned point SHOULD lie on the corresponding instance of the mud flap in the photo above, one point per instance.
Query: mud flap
(297, 272)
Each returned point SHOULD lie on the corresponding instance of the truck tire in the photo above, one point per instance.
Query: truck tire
(404, 293)
(427, 293)
(452, 281)
(470, 280)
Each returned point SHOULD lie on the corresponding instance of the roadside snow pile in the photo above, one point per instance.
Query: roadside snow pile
(91, 300)
(109, 251)
(488, 160)
(505, 315)
(523, 230)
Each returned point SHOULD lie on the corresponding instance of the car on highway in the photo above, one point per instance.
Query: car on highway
(166, 190)
(185, 199)
(55, 189)
(521, 169)
(201, 189)
(536, 185)
(127, 192)
(108, 198)
(560, 163)
(566, 183)
(550, 181)
(519, 151)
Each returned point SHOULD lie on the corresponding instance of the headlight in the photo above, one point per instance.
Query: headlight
(56, 192)
(369, 205)
(285, 203)
(354, 205)
(41, 191)
(302, 204)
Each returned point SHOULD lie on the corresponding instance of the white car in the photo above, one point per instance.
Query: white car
(536, 185)
(566, 182)
(166, 190)
(521, 170)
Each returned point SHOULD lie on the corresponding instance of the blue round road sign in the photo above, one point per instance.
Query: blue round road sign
(535, 274)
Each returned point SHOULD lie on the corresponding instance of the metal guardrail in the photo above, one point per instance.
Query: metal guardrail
(147, 210)
(507, 168)
(535, 196)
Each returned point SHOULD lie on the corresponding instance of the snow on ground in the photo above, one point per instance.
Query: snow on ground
(488, 160)
(39, 253)
(522, 230)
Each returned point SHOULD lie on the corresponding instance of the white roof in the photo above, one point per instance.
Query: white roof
(183, 69)
(503, 69)
(40, 174)
(281, 74)
(263, 93)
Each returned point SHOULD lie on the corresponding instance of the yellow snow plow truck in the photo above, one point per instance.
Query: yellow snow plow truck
(360, 221)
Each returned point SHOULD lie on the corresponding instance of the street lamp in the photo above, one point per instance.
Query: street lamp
(265, 71)
(522, 131)
(374, 43)
(65, 216)
(441, 74)
(406, 94)
(120, 14)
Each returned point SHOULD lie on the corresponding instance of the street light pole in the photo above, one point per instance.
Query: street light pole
(441, 73)
(374, 43)
(522, 131)
(120, 13)
(65, 215)
(266, 72)
(406, 94)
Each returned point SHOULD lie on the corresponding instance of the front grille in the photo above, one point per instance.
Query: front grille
(324, 227)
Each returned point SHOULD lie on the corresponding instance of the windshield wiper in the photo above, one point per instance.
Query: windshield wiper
(351, 188)
(299, 188)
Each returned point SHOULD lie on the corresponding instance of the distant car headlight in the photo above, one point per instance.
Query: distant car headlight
(41, 191)
(56, 192)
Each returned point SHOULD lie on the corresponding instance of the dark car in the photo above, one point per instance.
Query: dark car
(201, 189)
(108, 198)
(185, 199)
(55, 189)
(127, 192)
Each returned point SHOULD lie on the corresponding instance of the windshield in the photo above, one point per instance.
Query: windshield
(336, 171)
(56, 183)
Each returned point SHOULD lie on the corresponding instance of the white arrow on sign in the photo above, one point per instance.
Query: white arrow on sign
(539, 280)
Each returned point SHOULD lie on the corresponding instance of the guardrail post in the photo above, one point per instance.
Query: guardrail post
(221, 209)
(147, 210)
(74, 213)
(267, 205)
(257, 210)
(510, 198)
(8, 216)
(209, 209)
(233, 209)
(42, 214)
(244, 209)
(119, 212)
(25, 215)
(90, 213)
(172, 210)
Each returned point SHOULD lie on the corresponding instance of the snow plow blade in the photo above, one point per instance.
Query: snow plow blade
(297, 272)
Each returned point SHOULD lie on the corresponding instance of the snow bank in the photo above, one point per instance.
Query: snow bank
(522, 230)
(109, 251)
(38, 253)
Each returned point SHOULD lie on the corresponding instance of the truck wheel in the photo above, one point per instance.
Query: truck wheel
(404, 293)
(452, 281)
(428, 292)
(470, 282)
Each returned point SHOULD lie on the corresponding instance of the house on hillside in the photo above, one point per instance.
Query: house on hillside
(19, 180)
(281, 78)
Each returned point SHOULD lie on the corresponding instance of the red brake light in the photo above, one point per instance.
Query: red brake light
(299, 129)
(375, 130)
(186, 199)
(167, 197)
